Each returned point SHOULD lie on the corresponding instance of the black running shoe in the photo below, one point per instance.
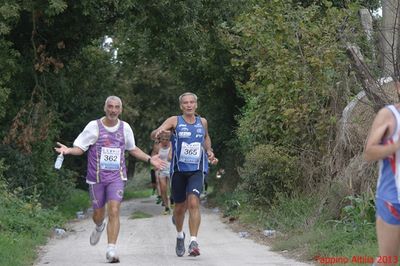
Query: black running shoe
(159, 200)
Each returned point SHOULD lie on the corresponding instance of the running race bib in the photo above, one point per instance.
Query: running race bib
(110, 158)
(190, 153)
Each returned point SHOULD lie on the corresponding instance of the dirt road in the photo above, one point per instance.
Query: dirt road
(151, 241)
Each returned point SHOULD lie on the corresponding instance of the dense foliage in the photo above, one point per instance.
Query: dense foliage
(268, 171)
(289, 66)
(271, 77)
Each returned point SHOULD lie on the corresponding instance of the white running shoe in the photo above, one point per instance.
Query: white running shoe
(96, 234)
(112, 256)
(194, 249)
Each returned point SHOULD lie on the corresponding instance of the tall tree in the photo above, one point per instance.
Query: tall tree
(54, 71)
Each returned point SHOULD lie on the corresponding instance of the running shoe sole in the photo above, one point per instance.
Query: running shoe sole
(194, 252)
(113, 260)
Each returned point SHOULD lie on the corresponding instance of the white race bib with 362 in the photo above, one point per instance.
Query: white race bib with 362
(110, 158)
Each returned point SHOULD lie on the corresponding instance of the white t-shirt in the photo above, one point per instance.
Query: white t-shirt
(90, 135)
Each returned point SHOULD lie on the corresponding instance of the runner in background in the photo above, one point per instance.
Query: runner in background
(153, 181)
(165, 153)
(154, 151)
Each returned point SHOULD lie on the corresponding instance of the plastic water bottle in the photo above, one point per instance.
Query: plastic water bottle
(269, 233)
(59, 161)
(59, 232)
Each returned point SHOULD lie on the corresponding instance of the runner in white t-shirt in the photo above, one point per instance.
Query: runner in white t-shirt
(164, 150)
(106, 140)
(90, 134)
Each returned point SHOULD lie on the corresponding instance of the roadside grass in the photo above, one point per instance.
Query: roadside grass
(17, 249)
(139, 186)
(324, 241)
(305, 230)
(210, 189)
(140, 215)
(79, 201)
(135, 193)
(25, 225)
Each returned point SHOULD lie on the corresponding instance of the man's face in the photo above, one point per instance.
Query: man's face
(188, 104)
(164, 140)
(113, 109)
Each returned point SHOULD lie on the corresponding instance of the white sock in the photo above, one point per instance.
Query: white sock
(180, 235)
(111, 247)
(193, 238)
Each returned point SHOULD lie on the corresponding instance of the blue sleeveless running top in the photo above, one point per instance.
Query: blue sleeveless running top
(187, 147)
(388, 187)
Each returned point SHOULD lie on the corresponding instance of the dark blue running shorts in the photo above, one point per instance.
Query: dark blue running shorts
(389, 212)
(185, 183)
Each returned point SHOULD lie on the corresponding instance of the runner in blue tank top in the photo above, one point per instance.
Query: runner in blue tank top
(191, 151)
(383, 145)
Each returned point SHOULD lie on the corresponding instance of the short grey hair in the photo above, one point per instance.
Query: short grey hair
(111, 98)
(187, 94)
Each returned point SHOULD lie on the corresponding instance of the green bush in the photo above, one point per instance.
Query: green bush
(24, 215)
(288, 91)
(267, 171)
(33, 174)
(77, 200)
(24, 223)
(358, 214)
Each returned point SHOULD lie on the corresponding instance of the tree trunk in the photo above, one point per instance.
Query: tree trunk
(368, 82)
(390, 37)
(367, 24)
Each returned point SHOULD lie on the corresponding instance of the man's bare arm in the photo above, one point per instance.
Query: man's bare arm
(153, 160)
(168, 125)
(62, 149)
(374, 149)
(207, 142)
